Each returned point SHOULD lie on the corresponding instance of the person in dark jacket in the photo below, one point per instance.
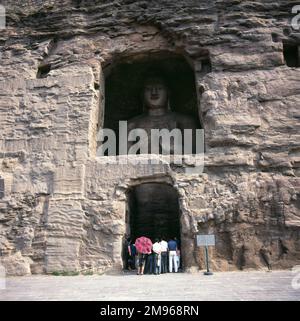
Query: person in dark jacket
(172, 247)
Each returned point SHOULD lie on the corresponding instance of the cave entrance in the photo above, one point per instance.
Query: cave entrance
(153, 211)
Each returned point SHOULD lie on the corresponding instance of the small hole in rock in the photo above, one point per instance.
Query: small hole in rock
(275, 37)
(291, 55)
(77, 3)
(43, 71)
(286, 31)
(201, 90)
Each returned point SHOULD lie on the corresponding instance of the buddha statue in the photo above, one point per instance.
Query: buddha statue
(157, 113)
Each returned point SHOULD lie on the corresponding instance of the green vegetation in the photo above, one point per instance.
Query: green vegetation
(65, 273)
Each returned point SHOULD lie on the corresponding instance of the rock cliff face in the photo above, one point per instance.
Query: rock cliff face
(63, 209)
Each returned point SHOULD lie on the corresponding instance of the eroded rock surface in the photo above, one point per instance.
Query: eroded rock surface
(63, 209)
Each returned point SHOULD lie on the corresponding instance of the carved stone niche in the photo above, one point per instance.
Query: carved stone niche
(124, 85)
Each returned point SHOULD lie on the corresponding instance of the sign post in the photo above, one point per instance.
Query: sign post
(2, 278)
(206, 241)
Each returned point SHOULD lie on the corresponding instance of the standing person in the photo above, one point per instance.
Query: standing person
(157, 256)
(146, 268)
(150, 263)
(141, 264)
(164, 256)
(144, 247)
(172, 246)
(132, 256)
(177, 242)
(178, 258)
(126, 252)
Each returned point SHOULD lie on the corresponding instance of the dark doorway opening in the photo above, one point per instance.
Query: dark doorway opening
(291, 54)
(153, 211)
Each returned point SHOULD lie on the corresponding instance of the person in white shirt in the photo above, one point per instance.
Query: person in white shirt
(164, 256)
(156, 248)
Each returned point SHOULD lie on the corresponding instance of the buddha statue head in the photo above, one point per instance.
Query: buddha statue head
(155, 94)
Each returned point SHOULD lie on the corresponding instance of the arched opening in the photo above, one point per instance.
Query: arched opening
(124, 84)
(153, 211)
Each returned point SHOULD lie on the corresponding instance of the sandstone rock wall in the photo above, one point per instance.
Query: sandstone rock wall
(64, 209)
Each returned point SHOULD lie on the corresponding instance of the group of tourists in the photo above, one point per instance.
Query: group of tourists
(163, 257)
